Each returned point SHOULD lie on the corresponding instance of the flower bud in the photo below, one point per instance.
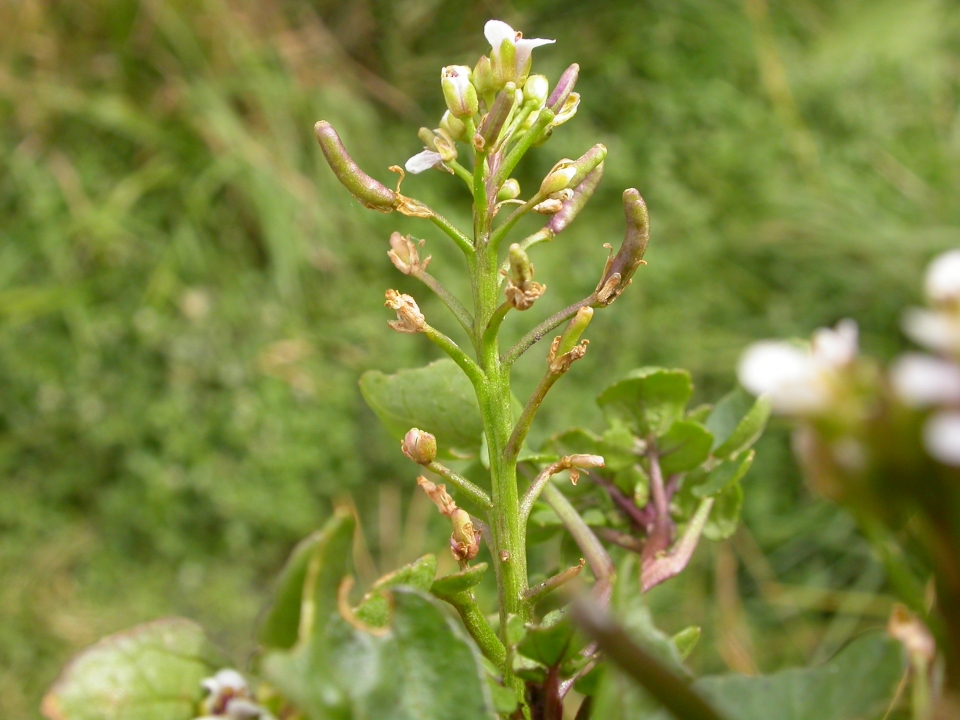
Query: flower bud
(404, 256)
(504, 63)
(619, 271)
(564, 87)
(559, 178)
(548, 206)
(409, 318)
(465, 539)
(420, 446)
(581, 196)
(509, 191)
(567, 110)
(364, 188)
(458, 91)
(493, 121)
(454, 126)
(483, 79)
(535, 89)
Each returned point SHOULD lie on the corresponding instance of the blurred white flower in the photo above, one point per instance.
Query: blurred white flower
(798, 380)
(942, 284)
(423, 161)
(497, 32)
(924, 381)
(941, 437)
(937, 331)
(226, 681)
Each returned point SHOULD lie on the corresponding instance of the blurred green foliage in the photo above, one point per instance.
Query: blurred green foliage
(187, 296)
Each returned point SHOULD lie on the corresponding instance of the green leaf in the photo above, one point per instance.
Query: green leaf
(423, 666)
(437, 398)
(458, 582)
(575, 440)
(281, 623)
(725, 515)
(684, 446)
(374, 609)
(648, 401)
(617, 448)
(737, 422)
(723, 474)
(857, 683)
(552, 641)
(150, 672)
(686, 640)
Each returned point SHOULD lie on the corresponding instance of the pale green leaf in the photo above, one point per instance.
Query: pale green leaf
(648, 400)
(737, 422)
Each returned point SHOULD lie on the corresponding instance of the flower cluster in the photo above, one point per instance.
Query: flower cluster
(228, 696)
(932, 381)
(495, 102)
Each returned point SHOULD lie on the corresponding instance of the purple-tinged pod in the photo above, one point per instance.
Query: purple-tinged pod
(572, 207)
(563, 88)
(620, 269)
(364, 188)
(493, 121)
(587, 163)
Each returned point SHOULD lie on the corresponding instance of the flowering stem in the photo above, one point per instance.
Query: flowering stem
(462, 315)
(529, 411)
(461, 172)
(525, 143)
(475, 493)
(453, 233)
(501, 232)
(456, 354)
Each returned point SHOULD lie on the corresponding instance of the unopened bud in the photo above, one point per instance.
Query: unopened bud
(364, 188)
(493, 121)
(563, 88)
(420, 446)
(571, 335)
(483, 79)
(465, 539)
(509, 191)
(458, 91)
(535, 89)
(559, 178)
(454, 126)
(581, 196)
(620, 269)
(568, 110)
(409, 318)
(404, 255)
(549, 206)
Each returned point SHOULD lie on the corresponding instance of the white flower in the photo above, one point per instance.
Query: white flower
(225, 681)
(423, 161)
(938, 331)
(942, 284)
(799, 380)
(941, 437)
(497, 32)
(923, 381)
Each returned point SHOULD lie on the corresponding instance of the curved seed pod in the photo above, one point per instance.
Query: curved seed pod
(364, 188)
(620, 269)
(581, 196)
(563, 88)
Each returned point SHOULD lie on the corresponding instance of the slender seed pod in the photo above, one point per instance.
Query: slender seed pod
(364, 188)
(571, 335)
(563, 88)
(620, 269)
(493, 121)
(572, 207)
(587, 163)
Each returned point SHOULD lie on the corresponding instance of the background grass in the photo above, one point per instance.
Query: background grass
(187, 296)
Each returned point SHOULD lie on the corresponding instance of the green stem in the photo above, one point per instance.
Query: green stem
(475, 493)
(543, 235)
(462, 315)
(456, 354)
(538, 592)
(493, 327)
(525, 143)
(537, 334)
(453, 233)
(461, 172)
(525, 420)
(501, 232)
(478, 627)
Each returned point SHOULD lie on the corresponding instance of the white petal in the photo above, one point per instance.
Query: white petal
(786, 374)
(836, 347)
(941, 437)
(937, 331)
(496, 31)
(924, 381)
(423, 161)
(526, 45)
(942, 283)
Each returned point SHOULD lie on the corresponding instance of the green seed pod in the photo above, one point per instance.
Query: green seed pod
(493, 121)
(571, 335)
(586, 163)
(564, 87)
(621, 268)
(364, 188)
